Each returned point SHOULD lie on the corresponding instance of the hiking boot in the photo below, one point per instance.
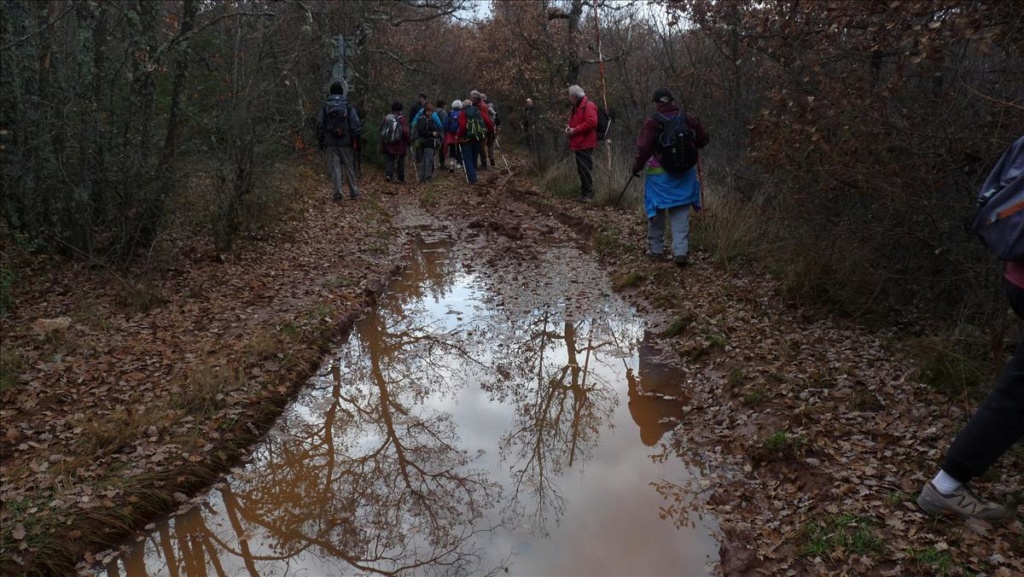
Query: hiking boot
(962, 502)
(337, 198)
(654, 256)
(681, 260)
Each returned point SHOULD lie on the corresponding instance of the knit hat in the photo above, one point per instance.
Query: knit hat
(456, 105)
(662, 96)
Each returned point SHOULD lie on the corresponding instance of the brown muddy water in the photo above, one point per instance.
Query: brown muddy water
(507, 419)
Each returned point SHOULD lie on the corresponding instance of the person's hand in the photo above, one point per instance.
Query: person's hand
(568, 130)
(636, 173)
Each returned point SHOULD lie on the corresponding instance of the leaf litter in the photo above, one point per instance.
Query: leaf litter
(797, 420)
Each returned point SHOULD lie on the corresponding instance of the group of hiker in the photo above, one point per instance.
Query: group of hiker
(666, 154)
(465, 136)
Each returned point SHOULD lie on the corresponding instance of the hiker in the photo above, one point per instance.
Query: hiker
(428, 129)
(530, 126)
(414, 112)
(338, 127)
(582, 132)
(668, 190)
(473, 126)
(653, 393)
(442, 116)
(999, 422)
(493, 134)
(394, 142)
(451, 139)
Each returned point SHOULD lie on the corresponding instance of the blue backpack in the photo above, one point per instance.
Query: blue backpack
(451, 124)
(999, 219)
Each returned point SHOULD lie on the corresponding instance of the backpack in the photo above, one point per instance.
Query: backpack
(604, 123)
(475, 127)
(424, 127)
(999, 219)
(451, 124)
(391, 129)
(336, 116)
(676, 144)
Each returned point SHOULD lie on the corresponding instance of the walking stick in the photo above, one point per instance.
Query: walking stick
(502, 153)
(631, 177)
(463, 157)
(700, 182)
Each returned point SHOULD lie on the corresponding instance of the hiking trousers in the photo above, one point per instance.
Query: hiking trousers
(426, 167)
(470, 151)
(678, 218)
(585, 168)
(393, 163)
(999, 422)
(342, 160)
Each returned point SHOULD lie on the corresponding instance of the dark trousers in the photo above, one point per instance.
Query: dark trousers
(470, 151)
(585, 167)
(393, 163)
(999, 422)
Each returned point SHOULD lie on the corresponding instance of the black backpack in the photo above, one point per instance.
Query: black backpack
(336, 116)
(604, 123)
(676, 144)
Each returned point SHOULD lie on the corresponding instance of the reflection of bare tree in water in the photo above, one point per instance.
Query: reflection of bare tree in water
(366, 476)
(547, 371)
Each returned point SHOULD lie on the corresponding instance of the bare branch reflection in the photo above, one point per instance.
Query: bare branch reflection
(548, 369)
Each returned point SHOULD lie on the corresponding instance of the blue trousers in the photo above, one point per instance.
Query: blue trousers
(470, 151)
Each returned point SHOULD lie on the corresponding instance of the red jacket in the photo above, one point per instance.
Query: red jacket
(402, 146)
(483, 114)
(583, 121)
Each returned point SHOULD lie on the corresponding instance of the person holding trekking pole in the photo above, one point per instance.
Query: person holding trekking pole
(451, 139)
(666, 152)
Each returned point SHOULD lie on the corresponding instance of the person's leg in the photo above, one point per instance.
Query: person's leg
(585, 168)
(481, 155)
(348, 161)
(401, 168)
(334, 169)
(999, 422)
(428, 163)
(656, 234)
(993, 429)
(490, 148)
(389, 166)
(679, 217)
(469, 152)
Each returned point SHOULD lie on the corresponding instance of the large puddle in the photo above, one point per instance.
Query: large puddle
(478, 421)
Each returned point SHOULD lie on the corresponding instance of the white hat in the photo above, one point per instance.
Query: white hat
(456, 104)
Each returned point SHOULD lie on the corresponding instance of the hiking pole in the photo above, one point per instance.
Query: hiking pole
(628, 182)
(463, 157)
(502, 153)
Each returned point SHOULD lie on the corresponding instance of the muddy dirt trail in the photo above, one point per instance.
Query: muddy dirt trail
(799, 439)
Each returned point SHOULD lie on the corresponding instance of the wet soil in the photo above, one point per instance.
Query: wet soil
(812, 435)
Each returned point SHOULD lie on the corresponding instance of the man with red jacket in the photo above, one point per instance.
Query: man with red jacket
(582, 131)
